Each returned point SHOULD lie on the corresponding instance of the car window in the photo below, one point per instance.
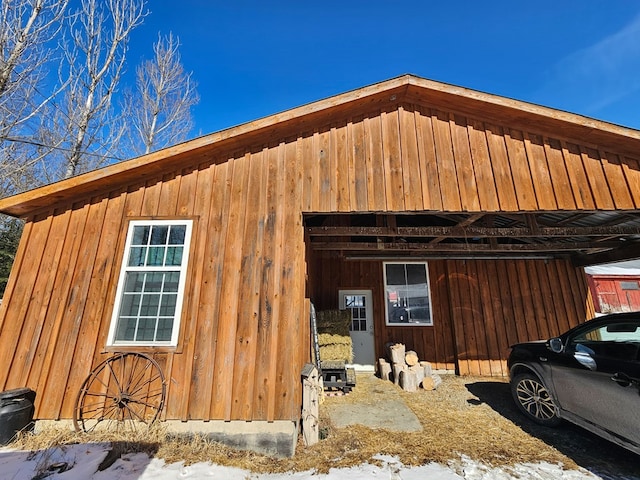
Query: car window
(616, 340)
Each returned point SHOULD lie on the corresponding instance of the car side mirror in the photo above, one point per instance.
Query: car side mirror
(555, 345)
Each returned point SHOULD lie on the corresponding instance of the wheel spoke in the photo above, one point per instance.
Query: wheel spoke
(535, 399)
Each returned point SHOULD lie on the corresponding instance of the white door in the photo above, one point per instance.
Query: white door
(361, 329)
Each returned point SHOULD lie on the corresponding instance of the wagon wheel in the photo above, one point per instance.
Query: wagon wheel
(124, 392)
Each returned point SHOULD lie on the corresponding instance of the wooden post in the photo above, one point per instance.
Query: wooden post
(310, 403)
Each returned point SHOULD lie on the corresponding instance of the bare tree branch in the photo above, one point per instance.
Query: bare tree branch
(159, 112)
(95, 55)
(27, 49)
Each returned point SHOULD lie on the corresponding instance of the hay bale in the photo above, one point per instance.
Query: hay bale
(333, 351)
(336, 322)
(333, 335)
(329, 339)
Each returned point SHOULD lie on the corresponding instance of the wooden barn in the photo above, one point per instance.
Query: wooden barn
(453, 221)
(614, 289)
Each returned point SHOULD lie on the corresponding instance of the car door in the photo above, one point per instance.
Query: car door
(597, 378)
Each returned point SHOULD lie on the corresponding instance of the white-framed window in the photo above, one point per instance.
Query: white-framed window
(151, 284)
(407, 294)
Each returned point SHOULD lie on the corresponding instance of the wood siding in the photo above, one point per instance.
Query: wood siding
(244, 333)
(615, 293)
(480, 307)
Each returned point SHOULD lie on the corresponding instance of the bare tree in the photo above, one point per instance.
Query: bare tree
(27, 28)
(94, 60)
(159, 112)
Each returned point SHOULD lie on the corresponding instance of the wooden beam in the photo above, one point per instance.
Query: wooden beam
(461, 247)
(627, 252)
(472, 231)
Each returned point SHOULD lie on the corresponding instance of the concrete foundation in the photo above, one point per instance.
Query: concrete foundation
(276, 438)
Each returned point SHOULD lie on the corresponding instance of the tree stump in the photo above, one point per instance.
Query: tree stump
(384, 369)
(408, 380)
(419, 371)
(398, 368)
(396, 353)
(427, 368)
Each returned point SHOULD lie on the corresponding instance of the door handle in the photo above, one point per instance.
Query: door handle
(585, 360)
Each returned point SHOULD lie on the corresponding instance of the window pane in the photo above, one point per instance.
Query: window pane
(136, 256)
(416, 274)
(149, 305)
(140, 235)
(126, 329)
(146, 329)
(130, 305)
(154, 282)
(395, 274)
(168, 305)
(159, 235)
(155, 258)
(177, 234)
(174, 256)
(171, 281)
(165, 329)
(134, 282)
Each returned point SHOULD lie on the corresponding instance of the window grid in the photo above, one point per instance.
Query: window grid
(357, 305)
(151, 283)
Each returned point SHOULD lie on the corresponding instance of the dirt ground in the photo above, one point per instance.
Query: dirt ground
(475, 417)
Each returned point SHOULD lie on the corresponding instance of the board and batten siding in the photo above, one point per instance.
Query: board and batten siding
(424, 159)
(244, 333)
(480, 307)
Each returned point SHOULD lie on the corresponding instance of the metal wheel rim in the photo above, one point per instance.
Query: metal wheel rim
(535, 399)
(124, 393)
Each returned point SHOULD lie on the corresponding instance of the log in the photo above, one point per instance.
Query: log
(411, 358)
(427, 368)
(384, 369)
(408, 380)
(398, 368)
(419, 371)
(396, 352)
(310, 402)
(431, 382)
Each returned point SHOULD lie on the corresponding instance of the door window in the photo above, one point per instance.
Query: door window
(358, 306)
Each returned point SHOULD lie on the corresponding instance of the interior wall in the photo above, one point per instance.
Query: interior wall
(480, 307)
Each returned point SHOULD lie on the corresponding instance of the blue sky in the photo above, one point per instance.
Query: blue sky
(252, 59)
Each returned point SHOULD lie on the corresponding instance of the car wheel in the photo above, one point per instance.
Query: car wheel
(534, 400)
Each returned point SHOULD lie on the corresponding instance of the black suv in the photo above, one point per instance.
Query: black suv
(590, 376)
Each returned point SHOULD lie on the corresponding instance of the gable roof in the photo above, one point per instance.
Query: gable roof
(386, 94)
